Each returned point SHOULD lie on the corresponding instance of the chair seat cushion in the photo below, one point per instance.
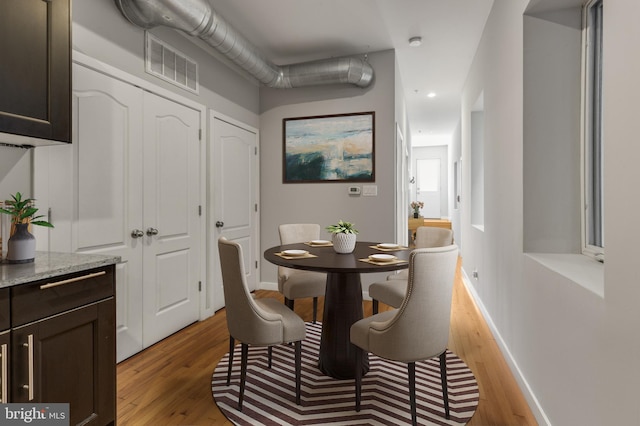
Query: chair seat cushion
(293, 328)
(303, 284)
(390, 292)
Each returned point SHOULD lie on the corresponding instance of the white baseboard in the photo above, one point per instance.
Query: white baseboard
(533, 402)
(267, 285)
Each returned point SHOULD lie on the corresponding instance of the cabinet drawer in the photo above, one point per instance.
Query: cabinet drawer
(5, 321)
(40, 299)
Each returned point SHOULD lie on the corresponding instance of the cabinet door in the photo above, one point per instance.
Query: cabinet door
(5, 385)
(35, 47)
(68, 358)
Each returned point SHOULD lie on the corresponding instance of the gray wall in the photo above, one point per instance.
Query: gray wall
(326, 203)
(100, 31)
(572, 347)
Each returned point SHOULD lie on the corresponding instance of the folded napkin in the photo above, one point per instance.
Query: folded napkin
(310, 244)
(305, 256)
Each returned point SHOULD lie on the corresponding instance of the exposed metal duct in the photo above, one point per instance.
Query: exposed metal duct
(197, 18)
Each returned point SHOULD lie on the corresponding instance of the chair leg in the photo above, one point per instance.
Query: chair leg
(298, 346)
(315, 309)
(232, 345)
(270, 355)
(443, 378)
(412, 392)
(358, 377)
(289, 303)
(243, 374)
(375, 306)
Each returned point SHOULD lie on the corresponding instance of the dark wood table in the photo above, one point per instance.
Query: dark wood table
(343, 297)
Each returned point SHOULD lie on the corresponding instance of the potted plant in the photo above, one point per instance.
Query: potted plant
(22, 244)
(344, 236)
(416, 206)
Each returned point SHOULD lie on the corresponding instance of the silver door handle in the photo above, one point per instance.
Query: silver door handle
(136, 233)
(219, 224)
(152, 231)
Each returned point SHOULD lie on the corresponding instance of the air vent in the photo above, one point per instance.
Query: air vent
(167, 63)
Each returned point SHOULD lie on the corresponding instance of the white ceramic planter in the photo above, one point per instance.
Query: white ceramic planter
(344, 243)
(22, 245)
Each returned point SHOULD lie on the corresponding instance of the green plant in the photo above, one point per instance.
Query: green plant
(342, 228)
(22, 211)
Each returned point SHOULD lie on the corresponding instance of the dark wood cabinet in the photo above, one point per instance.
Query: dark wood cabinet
(62, 344)
(35, 76)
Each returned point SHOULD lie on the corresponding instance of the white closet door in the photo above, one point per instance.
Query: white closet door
(171, 217)
(234, 184)
(106, 203)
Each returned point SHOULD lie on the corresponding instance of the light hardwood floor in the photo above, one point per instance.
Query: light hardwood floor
(170, 382)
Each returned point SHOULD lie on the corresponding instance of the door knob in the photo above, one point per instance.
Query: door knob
(136, 233)
(152, 231)
(219, 224)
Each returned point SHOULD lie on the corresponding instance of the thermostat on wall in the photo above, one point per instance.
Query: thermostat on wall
(354, 190)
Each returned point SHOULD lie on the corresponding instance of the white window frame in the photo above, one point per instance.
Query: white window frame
(592, 141)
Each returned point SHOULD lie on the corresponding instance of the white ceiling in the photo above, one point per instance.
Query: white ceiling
(291, 31)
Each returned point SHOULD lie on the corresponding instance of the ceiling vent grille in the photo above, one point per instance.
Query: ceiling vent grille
(167, 63)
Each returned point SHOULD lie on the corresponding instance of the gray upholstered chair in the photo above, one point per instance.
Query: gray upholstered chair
(392, 291)
(260, 322)
(419, 329)
(298, 284)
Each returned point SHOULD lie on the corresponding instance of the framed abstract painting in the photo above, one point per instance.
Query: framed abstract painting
(329, 148)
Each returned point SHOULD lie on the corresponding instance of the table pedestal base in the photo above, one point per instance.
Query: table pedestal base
(342, 308)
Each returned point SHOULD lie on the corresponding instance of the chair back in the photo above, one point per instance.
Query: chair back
(420, 327)
(432, 236)
(246, 321)
(291, 233)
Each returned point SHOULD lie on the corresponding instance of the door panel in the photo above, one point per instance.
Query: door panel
(107, 182)
(234, 173)
(171, 217)
(429, 187)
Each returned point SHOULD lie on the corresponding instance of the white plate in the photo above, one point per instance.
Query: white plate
(320, 242)
(295, 252)
(382, 257)
(388, 245)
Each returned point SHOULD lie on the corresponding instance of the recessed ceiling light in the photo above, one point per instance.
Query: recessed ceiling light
(415, 41)
(431, 95)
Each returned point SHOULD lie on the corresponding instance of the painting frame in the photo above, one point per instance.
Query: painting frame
(329, 148)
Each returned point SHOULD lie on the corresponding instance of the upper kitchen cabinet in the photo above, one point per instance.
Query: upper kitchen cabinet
(35, 75)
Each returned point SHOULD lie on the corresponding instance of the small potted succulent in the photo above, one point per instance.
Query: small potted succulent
(22, 244)
(344, 236)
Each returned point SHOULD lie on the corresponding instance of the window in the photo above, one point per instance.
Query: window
(592, 143)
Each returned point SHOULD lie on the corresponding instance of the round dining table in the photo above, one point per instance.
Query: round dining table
(343, 295)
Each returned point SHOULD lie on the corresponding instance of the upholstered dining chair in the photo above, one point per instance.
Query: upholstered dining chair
(392, 291)
(419, 329)
(259, 322)
(298, 284)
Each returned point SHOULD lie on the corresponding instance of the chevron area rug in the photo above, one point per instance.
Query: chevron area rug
(269, 397)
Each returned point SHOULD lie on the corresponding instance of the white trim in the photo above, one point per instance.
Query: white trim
(533, 402)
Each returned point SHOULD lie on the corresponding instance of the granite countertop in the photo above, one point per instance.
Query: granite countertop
(51, 264)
